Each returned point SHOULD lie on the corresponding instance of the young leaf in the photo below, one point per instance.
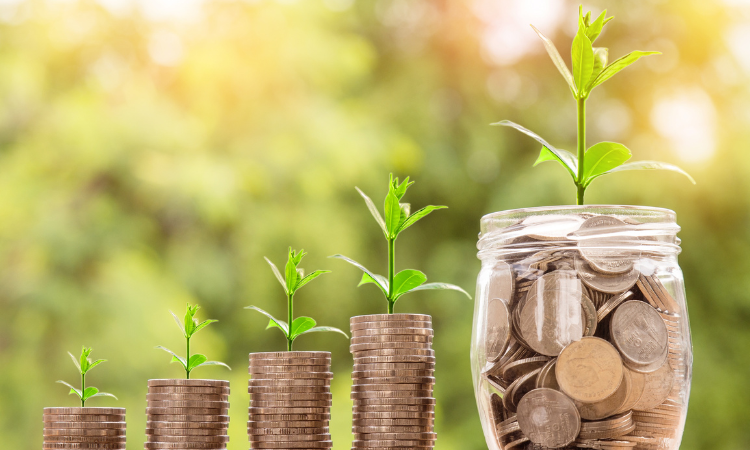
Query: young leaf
(650, 165)
(290, 270)
(278, 274)
(400, 189)
(175, 356)
(620, 64)
(85, 352)
(309, 278)
(414, 218)
(94, 364)
(179, 324)
(601, 54)
(195, 361)
(375, 278)
(203, 325)
(321, 329)
(215, 363)
(561, 155)
(557, 59)
(189, 320)
(568, 160)
(280, 324)
(300, 325)
(583, 61)
(392, 214)
(603, 157)
(89, 392)
(440, 286)
(104, 394)
(72, 389)
(595, 29)
(381, 282)
(373, 210)
(405, 211)
(75, 361)
(406, 280)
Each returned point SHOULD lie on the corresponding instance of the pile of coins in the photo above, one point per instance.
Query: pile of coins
(585, 345)
(77, 428)
(290, 400)
(187, 414)
(393, 377)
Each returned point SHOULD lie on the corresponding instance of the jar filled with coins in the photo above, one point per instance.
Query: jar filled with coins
(581, 336)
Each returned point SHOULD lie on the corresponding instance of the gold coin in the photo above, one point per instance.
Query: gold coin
(188, 397)
(288, 369)
(186, 431)
(89, 425)
(292, 417)
(392, 373)
(395, 338)
(360, 408)
(394, 415)
(391, 324)
(84, 418)
(402, 331)
(392, 444)
(183, 445)
(657, 386)
(290, 355)
(188, 404)
(84, 432)
(305, 382)
(392, 366)
(188, 417)
(212, 427)
(293, 376)
(610, 405)
(86, 411)
(293, 445)
(291, 396)
(190, 382)
(186, 411)
(391, 317)
(290, 404)
(395, 401)
(394, 359)
(393, 422)
(354, 348)
(192, 438)
(187, 390)
(396, 380)
(589, 370)
(74, 445)
(390, 387)
(394, 352)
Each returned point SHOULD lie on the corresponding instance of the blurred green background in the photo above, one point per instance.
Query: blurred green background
(152, 153)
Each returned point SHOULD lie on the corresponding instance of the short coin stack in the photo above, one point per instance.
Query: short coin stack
(290, 400)
(393, 379)
(78, 428)
(187, 414)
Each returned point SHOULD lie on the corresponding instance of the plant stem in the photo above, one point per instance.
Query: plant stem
(187, 358)
(290, 311)
(581, 120)
(391, 271)
(83, 389)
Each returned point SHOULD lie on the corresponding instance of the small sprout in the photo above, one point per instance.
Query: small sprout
(590, 69)
(189, 328)
(84, 364)
(293, 279)
(397, 219)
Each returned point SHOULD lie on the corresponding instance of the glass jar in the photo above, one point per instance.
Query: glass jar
(581, 335)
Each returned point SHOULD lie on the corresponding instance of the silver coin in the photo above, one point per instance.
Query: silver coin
(547, 417)
(639, 333)
(610, 284)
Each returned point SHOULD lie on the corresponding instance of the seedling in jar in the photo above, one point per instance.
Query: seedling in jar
(590, 69)
(84, 365)
(189, 328)
(294, 278)
(397, 219)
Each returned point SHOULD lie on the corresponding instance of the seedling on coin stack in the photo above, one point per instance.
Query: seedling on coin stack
(291, 391)
(393, 358)
(581, 337)
(184, 412)
(84, 427)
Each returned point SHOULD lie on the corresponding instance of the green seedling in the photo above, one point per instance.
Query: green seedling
(590, 69)
(293, 279)
(189, 328)
(397, 219)
(84, 364)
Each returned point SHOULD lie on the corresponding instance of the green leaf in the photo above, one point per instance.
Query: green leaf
(179, 324)
(583, 61)
(94, 364)
(414, 218)
(85, 352)
(567, 159)
(215, 363)
(75, 361)
(650, 165)
(203, 325)
(603, 157)
(440, 286)
(620, 64)
(309, 278)
(175, 356)
(557, 59)
(375, 277)
(601, 55)
(280, 324)
(195, 361)
(278, 274)
(72, 389)
(392, 214)
(595, 29)
(104, 394)
(89, 392)
(300, 325)
(290, 270)
(373, 210)
(405, 211)
(380, 282)
(189, 320)
(406, 280)
(399, 189)
(325, 329)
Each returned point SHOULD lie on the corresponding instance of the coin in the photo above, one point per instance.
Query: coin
(390, 324)
(396, 401)
(394, 352)
(292, 417)
(288, 389)
(307, 382)
(602, 243)
(657, 386)
(391, 394)
(83, 417)
(547, 377)
(551, 320)
(610, 284)
(215, 426)
(93, 425)
(269, 410)
(589, 370)
(497, 324)
(610, 405)
(390, 317)
(189, 417)
(287, 362)
(182, 445)
(396, 359)
(549, 418)
(523, 366)
(188, 397)
(389, 345)
(188, 404)
(75, 445)
(85, 411)
(186, 431)
(287, 369)
(188, 382)
(358, 367)
(186, 411)
(640, 335)
(293, 445)
(291, 431)
(292, 376)
(519, 388)
(84, 431)
(612, 303)
(289, 355)
(637, 385)
(187, 390)
(361, 408)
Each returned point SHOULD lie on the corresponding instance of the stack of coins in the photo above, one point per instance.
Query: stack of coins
(76, 428)
(393, 378)
(184, 414)
(290, 400)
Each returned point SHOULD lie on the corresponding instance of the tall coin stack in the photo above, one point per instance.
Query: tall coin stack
(393, 379)
(78, 428)
(187, 414)
(290, 400)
